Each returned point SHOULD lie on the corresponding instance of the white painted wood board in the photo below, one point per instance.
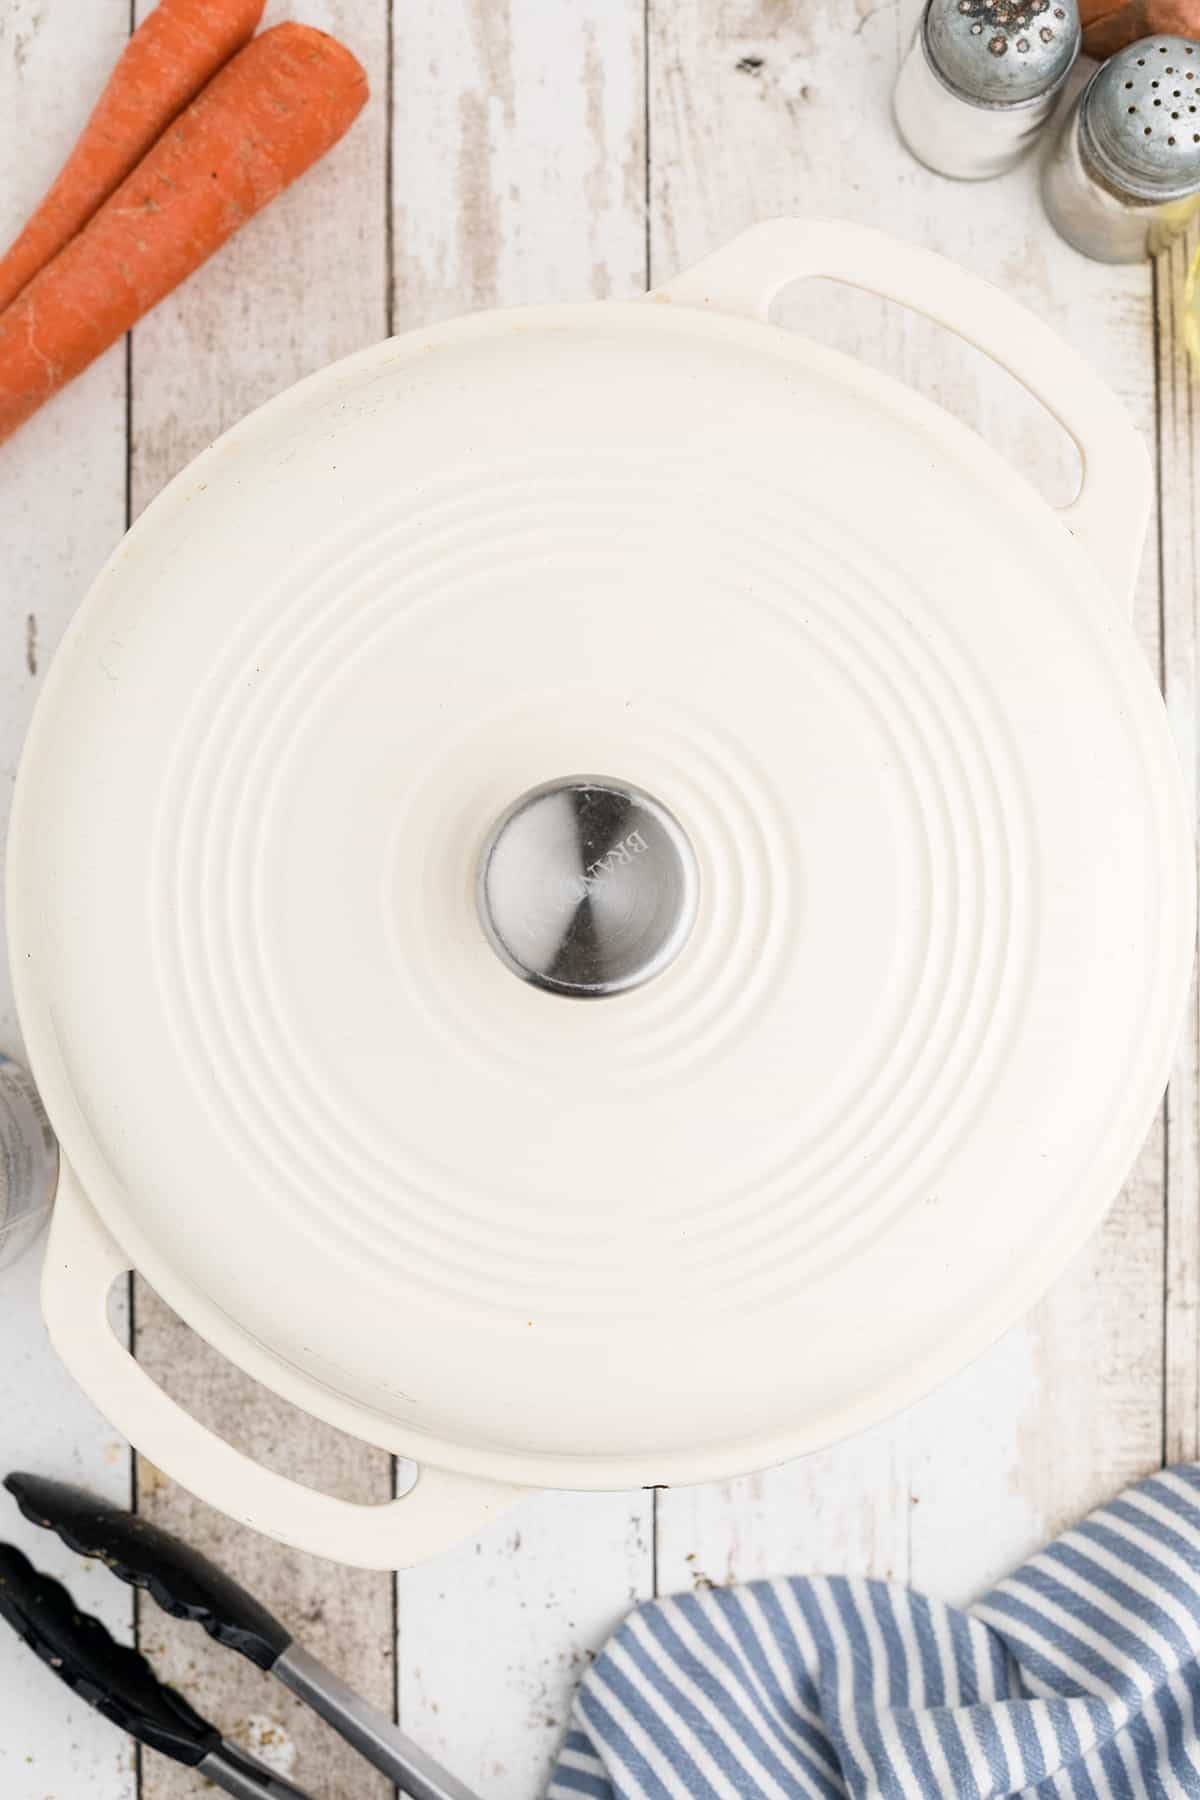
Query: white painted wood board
(957, 1488)
(1178, 551)
(62, 508)
(514, 168)
(304, 282)
(519, 176)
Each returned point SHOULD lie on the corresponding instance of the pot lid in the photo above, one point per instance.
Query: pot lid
(347, 754)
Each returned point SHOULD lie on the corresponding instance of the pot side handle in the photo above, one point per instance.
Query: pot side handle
(1112, 509)
(82, 1262)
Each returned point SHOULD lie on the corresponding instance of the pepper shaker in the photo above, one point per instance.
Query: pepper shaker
(28, 1161)
(1124, 176)
(981, 79)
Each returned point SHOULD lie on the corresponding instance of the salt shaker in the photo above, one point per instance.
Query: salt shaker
(981, 79)
(1124, 176)
(28, 1161)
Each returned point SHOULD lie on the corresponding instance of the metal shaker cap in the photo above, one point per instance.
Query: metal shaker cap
(1002, 52)
(1140, 118)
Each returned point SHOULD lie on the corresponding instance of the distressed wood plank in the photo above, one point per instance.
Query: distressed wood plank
(842, 1509)
(494, 1636)
(344, 1616)
(519, 160)
(962, 1485)
(1068, 1408)
(519, 155)
(62, 508)
(1179, 476)
(534, 191)
(772, 81)
(1059, 1416)
(304, 283)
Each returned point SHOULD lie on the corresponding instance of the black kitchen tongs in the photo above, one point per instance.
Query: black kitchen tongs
(120, 1683)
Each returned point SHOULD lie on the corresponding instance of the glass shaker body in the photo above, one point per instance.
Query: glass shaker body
(980, 81)
(28, 1162)
(1123, 177)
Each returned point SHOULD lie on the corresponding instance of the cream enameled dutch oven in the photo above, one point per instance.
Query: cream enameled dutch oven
(600, 895)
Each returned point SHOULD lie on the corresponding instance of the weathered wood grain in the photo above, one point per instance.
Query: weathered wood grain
(842, 1509)
(1057, 1417)
(62, 508)
(966, 1482)
(62, 477)
(304, 283)
(519, 163)
(1179, 553)
(519, 156)
(494, 1637)
(1068, 1409)
(345, 1616)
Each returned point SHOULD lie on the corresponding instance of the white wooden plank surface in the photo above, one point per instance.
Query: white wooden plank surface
(519, 165)
(494, 1636)
(304, 283)
(519, 160)
(845, 1509)
(62, 507)
(1179, 551)
(519, 176)
(962, 1485)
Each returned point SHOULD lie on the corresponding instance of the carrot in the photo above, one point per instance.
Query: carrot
(169, 58)
(270, 113)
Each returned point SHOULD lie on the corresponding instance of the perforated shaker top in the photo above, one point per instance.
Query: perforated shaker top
(1142, 117)
(1002, 52)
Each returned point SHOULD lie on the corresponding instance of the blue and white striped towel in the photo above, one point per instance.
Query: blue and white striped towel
(1077, 1677)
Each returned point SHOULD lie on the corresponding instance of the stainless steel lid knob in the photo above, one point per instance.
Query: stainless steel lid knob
(587, 887)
